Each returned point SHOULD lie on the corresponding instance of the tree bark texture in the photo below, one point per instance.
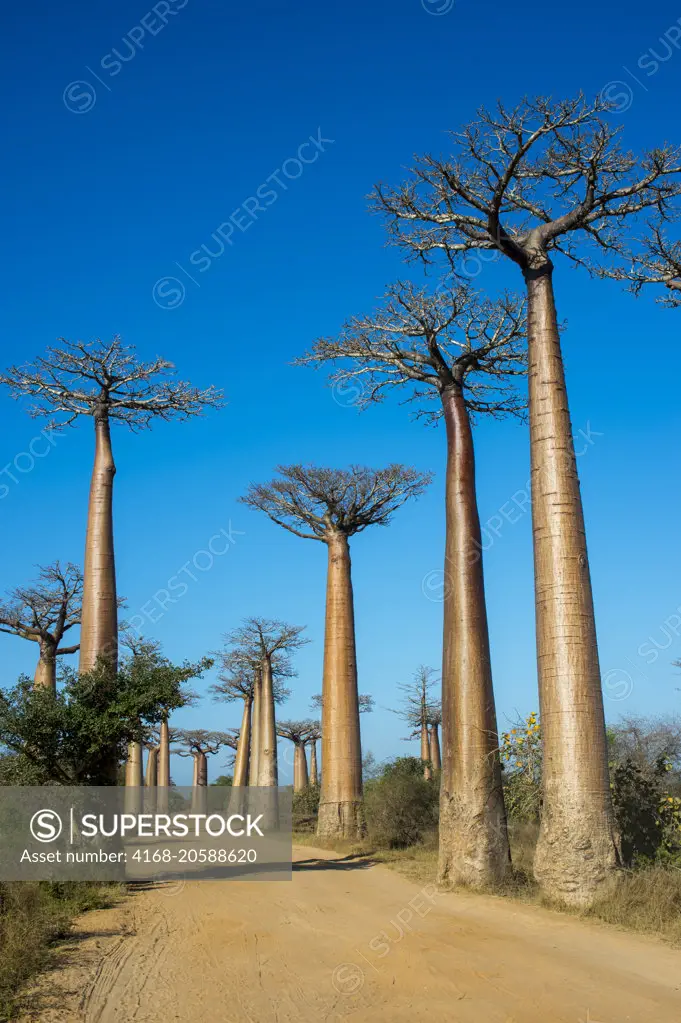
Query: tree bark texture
(300, 777)
(435, 748)
(256, 732)
(269, 773)
(314, 770)
(243, 747)
(474, 846)
(99, 626)
(340, 807)
(425, 752)
(46, 669)
(151, 776)
(576, 850)
(163, 766)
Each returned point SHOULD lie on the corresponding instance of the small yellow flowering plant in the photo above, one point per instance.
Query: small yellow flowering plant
(521, 756)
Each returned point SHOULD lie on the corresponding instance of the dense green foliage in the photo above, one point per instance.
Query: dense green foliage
(401, 805)
(72, 738)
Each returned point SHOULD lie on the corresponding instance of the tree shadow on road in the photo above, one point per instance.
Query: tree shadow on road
(355, 861)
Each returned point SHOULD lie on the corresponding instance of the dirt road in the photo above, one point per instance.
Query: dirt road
(345, 940)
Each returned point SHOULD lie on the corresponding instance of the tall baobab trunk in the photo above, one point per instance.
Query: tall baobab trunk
(314, 771)
(99, 627)
(425, 752)
(134, 778)
(300, 777)
(435, 748)
(340, 807)
(473, 837)
(256, 732)
(151, 776)
(46, 669)
(243, 747)
(268, 771)
(576, 848)
(163, 766)
(133, 768)
(200, 782)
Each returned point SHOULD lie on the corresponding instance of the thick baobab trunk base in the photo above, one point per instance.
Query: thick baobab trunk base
(574, 857)
(341, 820)
(473, 845)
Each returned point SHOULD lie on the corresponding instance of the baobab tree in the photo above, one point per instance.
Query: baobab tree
(314, 735)
(331, 505)
(252, 670)
(463, 354)
(416, 710)
(105, 381)
(44, 612)
(200, 744)
(298, 732)
(434, 720)
(529, 182)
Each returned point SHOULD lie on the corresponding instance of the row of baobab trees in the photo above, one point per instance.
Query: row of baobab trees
(539, 182)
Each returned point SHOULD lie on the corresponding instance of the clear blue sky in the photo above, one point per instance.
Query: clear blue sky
(106, 191)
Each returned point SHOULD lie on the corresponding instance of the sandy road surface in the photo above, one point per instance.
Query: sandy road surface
(344, 941)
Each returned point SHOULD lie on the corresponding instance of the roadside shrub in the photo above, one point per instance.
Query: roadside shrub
(305, 809)
(33, 914)
(401, 806)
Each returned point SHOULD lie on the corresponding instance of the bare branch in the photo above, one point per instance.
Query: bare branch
(332, 501)
(105, 379)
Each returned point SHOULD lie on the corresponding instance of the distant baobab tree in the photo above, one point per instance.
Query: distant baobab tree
(314, 735)
(457, 356)
(44, 612)
(417, 710)
(251, 670)
(240, 679)
(299, 733)
(434, 721)
(529, 182)
(331, 505)
(200, 744)
(105, 381)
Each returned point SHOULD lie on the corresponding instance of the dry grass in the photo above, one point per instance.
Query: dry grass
(33, 915)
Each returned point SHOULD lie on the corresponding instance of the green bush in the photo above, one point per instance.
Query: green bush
(401, 806)
(305, 809)
(33, 914)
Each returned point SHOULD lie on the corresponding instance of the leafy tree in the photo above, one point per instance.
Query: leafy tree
(73, 736)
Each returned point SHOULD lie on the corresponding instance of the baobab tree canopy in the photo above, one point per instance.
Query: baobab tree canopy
(44, 612)
(47, 609)
(105, 377)
(449, 338)
(523, 180)
(333, 501)
(106, 381)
